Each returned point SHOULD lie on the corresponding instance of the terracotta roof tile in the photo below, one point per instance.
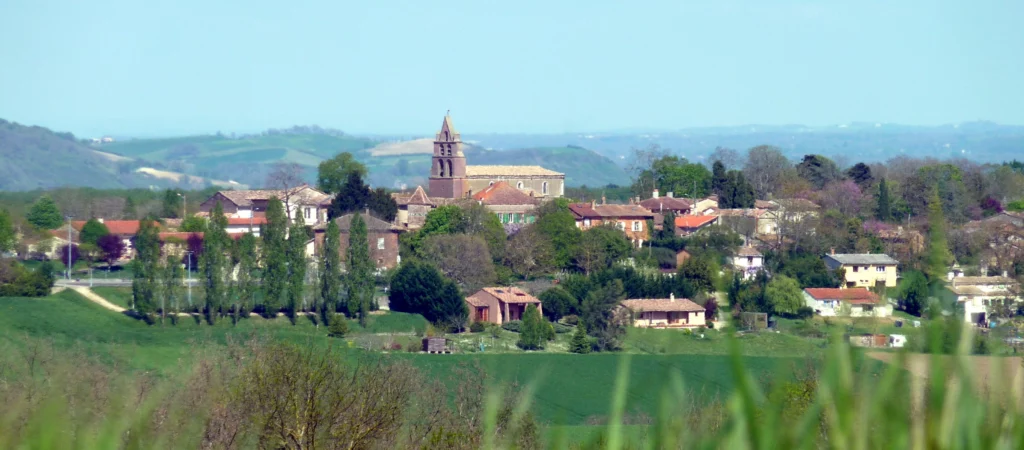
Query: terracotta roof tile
(246, 221)
(502, 193)
(694, 221)
(666, 203)
(587, 210)
(509, 294)
(509, 171)
(748, 251)
(662, 304)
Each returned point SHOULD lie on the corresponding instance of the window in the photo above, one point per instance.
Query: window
(519, 185)
(490, 184)
(544, 188)
(586, 222)
(309, 213)
(880, 269)
(637, 225)
(855, 268)
(621, 226)
(380, 243)
(508, 218)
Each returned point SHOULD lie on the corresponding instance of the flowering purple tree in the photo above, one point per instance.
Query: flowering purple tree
(844, 196)
(991, 206)
(113, 248)
(195, 246)
(74, 254)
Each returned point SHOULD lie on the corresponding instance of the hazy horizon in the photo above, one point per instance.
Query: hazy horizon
(113, 67)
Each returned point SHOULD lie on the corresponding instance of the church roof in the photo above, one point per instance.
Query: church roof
(502, 193)
(509, 171)
(418, 197)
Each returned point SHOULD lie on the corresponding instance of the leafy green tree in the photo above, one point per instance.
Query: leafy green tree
(193, 224)
(275, 260)
(600, 247)
(418, 287)
(332, 174)
(295, 253)
(44, 214)
(248, 267)
(146, 266)
(580, 343)
(697, 272)
(913, 293)
(784, 295)
(173, 204)
(330, 272)
(884, 209)
(558, 226)
(359, 277)
(8, 237)
(480, 221)
(600, 316)
(939, 256)
(558, 303)
(531, 333)
(92, 231)
(213, 263)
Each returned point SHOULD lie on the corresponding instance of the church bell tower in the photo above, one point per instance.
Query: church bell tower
(448, 165)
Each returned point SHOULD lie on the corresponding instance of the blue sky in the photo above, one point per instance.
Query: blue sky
(126, 67)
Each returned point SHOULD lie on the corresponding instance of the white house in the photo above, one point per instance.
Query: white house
(850, 302)
(748, 261)
(974, 295)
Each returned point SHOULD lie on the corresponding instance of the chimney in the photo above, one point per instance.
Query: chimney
(1005, 274)
(949, 276)
(668, 194)
(603, 199)
(833, 250)
(593, 204)
(654, 194)
(672, 296)
(100, 220)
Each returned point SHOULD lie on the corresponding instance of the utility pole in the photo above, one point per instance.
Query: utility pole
(67, 268)
(188, 273)
(184, 205)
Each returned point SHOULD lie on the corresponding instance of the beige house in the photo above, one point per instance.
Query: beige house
(665, 312)
(302, 200)
(974, 295)
(852, 302)
(498, 305)
(865, 270)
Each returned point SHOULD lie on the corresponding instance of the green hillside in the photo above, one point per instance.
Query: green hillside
(33, 157)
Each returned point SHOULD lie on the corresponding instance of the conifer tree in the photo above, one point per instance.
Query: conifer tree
(296, 256)
(214, 264)
(247, 273)
(719, 178)
(359, 278)
(330, 272)
(45, 214)
(532, 331)
(580, 343)
(172, 276)
(884, 211)
(275, 262)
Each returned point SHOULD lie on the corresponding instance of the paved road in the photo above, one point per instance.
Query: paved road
(118, 282)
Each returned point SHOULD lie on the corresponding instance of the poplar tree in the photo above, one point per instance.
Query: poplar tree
(214, 264)
(884, 211)
(330, 272)
(275, 263)
(360, 269)
(939, 256)
(146, 266)
(296, 256)
(172, 276)
(245, 280)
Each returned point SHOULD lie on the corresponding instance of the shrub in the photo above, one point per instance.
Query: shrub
(476, 327)
(495, 331)
(395, 346)
(562, 328)
(549, 331)
(571, 319)
(513, 325)
(338, 327)
(533, 330)
(414, 347)
(711, 325)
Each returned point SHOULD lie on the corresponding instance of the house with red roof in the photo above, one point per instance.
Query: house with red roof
(849, 302)
(687, 225)
(630, 219)
(667, 204)
(498, 305)
(510, 204)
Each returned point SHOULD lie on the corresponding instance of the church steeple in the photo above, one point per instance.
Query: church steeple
(448, 164)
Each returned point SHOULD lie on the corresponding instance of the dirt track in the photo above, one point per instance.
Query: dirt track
(992, 374)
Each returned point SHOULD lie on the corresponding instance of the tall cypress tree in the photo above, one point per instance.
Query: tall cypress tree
(939, 256)
(296, 255)
(146, 266)
(275, 262)
(668, 225)
(172, 276)
(718, 178)
(213, 263)
(330, 272)
(884, 211)
(360, 269)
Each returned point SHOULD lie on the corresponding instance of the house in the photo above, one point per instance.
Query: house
(451, 177)
(705, 206)
(667, 204)
(748, 261)
(242, 225)
(687, 225)
(124, 229)
(630, 219)
(745, 222)
(864, 269)
(665, 312)
(510, 204)
(301, 200)
(498, 305)
(852, 302)
(382, 238)
(974, 295)
(414, 206)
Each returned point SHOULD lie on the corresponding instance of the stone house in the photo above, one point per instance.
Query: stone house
(303, 200)
(382, 239)
(665, 312)
(498, 305)
(630, 219)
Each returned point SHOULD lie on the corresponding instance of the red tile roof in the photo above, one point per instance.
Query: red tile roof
(510, 295)
(246, 221)
(666, 203)
(119, 227)
(850, 295)
(694, 221)
(502, 193)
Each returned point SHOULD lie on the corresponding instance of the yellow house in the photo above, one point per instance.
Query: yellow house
(665, 312)
(864, 270)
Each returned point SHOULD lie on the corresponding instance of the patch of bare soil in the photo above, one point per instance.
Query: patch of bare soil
(993, 375)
